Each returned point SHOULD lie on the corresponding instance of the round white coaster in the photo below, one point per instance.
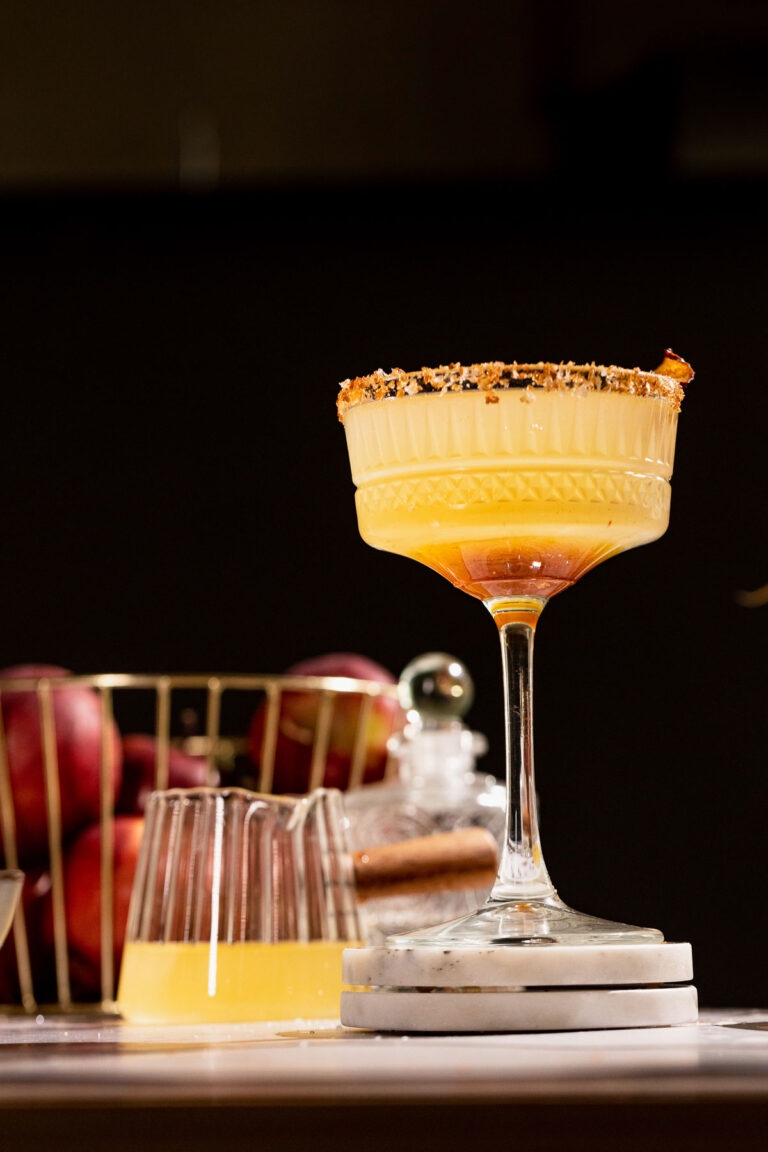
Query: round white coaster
(503, 966)
(550, 1011)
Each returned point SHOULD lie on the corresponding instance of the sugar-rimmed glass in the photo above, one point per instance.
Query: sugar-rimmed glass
(513, 481)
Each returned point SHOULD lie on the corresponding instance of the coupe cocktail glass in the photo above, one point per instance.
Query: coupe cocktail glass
(513, 480)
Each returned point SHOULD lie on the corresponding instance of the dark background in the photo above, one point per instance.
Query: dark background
(212, 213)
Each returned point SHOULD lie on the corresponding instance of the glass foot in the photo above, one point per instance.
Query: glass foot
(526, 922)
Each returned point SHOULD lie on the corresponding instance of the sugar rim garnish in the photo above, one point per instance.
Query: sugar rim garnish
(488, 377)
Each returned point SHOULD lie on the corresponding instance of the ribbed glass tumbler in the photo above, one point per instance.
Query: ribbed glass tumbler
(241, 907)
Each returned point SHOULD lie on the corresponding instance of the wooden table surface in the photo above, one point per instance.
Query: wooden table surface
(91, 1084)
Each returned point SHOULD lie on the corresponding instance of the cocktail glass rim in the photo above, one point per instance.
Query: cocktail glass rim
(490, 376)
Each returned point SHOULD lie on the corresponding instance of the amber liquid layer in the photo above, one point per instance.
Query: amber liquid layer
(519, 497)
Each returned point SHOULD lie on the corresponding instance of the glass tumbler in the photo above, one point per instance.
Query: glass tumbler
(11, 881)
(242, 904)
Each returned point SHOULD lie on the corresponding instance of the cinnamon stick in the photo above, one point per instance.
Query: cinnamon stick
(447, 861)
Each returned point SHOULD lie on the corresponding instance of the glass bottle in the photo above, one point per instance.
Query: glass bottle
(436, 789)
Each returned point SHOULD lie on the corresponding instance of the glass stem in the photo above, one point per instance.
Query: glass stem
(522, 872)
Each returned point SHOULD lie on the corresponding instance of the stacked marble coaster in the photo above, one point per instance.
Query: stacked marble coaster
(536, 987)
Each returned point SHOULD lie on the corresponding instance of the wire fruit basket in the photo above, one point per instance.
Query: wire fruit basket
(333, 730)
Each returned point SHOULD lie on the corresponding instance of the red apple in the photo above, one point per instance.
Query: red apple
(139, 758)
(77, 721)
(298, 720)
(82, 898)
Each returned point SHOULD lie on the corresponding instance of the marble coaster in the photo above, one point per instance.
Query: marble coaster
(537, 1011)
(518, 967)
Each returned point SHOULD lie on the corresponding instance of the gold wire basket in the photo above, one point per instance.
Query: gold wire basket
(217, 748)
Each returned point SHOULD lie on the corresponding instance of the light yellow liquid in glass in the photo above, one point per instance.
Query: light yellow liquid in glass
(517, 496)
(246, 981)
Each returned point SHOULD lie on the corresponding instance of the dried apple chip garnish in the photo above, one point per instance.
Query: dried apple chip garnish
(675, 367)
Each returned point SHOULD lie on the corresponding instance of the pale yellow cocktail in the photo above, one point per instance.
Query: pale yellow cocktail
(518, 496)
(186, 983)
